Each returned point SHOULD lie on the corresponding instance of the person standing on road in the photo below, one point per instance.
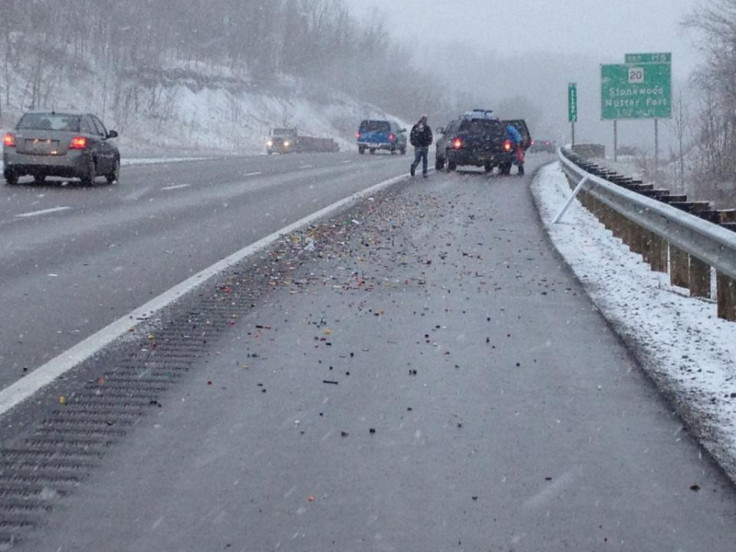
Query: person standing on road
(421, 138)
(515, 136)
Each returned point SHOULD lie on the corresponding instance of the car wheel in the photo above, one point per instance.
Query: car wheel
(373, 150)
(11, 178)
(505, 169)
(439, 163)
(114, 174)
(361, 150)
(451, 166)
(487, 166)
(89, 178)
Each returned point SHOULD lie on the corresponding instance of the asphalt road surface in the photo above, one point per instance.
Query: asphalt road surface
(420, 373)
(74, 259)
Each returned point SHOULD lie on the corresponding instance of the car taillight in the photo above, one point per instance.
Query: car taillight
(9, 140)
(78, 142)
(391, 137)
(508, 145)
(357, 135)
(457, 143)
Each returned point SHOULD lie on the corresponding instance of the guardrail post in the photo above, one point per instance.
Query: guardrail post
(726, 297)
(628, 233)
(699, 278)
(679, 267)
(727, 216)
(657, 253)
(637, 238)
(602, 212)
(615, 223)
(647, 246)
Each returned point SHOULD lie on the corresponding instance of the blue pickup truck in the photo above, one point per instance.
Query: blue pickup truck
(375, 135)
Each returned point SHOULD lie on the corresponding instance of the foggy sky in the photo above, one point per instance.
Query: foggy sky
(533, 48)
(604, 29)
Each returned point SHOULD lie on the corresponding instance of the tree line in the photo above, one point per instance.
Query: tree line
(131, 47)
(715, 130)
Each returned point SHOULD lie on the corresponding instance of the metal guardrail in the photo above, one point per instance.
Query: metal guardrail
(662, 232)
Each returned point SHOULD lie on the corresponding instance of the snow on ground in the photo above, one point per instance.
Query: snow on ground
(686, 349)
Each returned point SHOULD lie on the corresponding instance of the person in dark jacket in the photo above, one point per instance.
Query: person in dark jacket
(421, 138)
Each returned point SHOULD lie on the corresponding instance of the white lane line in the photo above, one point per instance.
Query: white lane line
(47, 373)
(176, 187)
(42, 212)
(347, 161)
(253, 173)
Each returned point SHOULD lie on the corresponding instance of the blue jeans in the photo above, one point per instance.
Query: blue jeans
(420, 153)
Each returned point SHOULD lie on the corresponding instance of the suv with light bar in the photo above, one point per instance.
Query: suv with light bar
(478, 138)
(67, 145)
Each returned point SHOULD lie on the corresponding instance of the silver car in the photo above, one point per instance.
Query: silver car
(50, 143)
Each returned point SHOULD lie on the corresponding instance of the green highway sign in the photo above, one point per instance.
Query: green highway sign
(665, 57)
(572, 102)
(636, 91)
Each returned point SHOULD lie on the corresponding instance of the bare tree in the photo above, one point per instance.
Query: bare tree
(716, 24)
(681, 125)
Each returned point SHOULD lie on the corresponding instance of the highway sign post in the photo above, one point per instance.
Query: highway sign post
(572, 107)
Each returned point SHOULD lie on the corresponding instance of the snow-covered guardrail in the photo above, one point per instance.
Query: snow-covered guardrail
(669, 238)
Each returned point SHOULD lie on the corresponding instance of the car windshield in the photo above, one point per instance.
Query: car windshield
(49, 121)
(283, 132)
(374, 126)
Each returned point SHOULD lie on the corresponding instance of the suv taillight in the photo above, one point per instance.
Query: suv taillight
(9, 140)
(78, 142)
(391, 137)
(508, 145)
(457, 143)
(357, 135)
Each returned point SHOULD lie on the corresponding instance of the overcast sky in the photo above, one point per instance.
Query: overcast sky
(604, 29)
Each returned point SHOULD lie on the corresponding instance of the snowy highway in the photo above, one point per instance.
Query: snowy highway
(422, 372)
(74, 259)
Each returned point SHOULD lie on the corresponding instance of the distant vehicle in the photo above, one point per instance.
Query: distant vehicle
(288, 140)
(375, 135)
(64, 144)
(547, 146)
(478, 138)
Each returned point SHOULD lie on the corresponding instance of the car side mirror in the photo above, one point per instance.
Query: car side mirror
(112, 133)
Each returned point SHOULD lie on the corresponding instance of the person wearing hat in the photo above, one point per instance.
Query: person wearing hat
(421, 138)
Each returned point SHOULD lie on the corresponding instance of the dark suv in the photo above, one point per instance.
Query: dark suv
(478, 138)
(375, 135)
